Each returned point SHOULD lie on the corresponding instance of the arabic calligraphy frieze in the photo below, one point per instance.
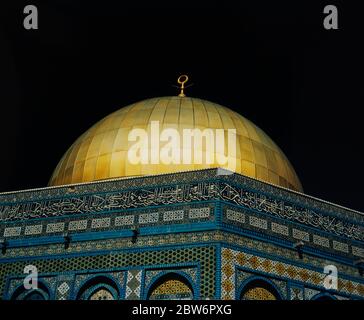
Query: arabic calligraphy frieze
(190, 177)
(289, 211)
(110, 202)
(181, 193)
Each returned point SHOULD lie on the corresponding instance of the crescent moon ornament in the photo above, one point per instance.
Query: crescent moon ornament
(182, 79)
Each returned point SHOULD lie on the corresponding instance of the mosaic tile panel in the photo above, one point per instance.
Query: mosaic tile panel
(322, 241)
(55, 227)
(279, 228)
(149, 218)
(34, 229)
(257, 222)
(300, 235)
(173, 215)
(310, 293)
(112, 222)
(258, 293)
(199, 213)
(358, 251)
(124, 220)
(296, 293)
(232, 258)
(12, 232)
(205, 255)
(63, 291)
(77, 225)
(236, 216)
(100, 223)
(133, 284)
(340, 246)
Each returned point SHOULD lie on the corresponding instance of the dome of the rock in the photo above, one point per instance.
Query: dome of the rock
(102, 151)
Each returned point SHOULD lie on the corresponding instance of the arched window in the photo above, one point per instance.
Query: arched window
(171, 286)
(259, 290)
(99, 288)
(41, 293)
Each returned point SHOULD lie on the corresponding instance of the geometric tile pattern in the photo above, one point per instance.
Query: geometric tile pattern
(258, 293)
(234, 215)
(232, 258)
(55, 227)
(296, 293)
(250, 207)
(182, 214)
(310, 293)
(279, 228)
(100, 223)
(77, 225)
(343, 247)
(199, 213)
(259, 223)
(12, 232)
(124, 220)
(204, 255)
(133, 284)
(207, 265)
(322, 241)
(358, 251)
(300, 235)
(149, 217)
(63, 290)
(33, 229)
(173, 215)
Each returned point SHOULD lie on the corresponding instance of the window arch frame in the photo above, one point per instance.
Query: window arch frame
(177, 275)
(95, 282)
(258, 279)
(22, 292)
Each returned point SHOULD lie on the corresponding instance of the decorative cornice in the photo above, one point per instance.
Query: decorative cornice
(180, 188)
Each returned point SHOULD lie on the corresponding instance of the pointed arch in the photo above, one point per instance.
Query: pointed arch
(99, 288)
(41, 293)
(171, 286)
(258, 288)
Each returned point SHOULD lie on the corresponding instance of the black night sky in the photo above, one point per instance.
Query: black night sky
(272, 62)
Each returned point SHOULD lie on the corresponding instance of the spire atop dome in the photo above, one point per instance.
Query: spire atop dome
(182, 79)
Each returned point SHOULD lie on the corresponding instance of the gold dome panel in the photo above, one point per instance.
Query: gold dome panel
(101, 152)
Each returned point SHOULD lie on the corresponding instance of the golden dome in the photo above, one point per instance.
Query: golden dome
(102, 151)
